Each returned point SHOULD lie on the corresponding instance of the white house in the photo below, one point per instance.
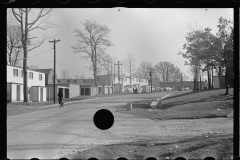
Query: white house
(36, 85)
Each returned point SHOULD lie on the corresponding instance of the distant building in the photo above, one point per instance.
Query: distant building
(178, 85)
(106, 84)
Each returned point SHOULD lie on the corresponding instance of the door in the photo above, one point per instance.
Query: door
(18, 92)
(41, 94)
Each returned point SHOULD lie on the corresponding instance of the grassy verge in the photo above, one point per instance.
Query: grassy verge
(200, 147)
(191, 105)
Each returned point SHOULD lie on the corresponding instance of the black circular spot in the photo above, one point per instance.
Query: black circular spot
(151, 158)
(209, 158)
(103, 119)
(180, 158)
(122, 158)
(92, 159)
(63, 159)
(33, 1)
(34, 159)
(236, 158)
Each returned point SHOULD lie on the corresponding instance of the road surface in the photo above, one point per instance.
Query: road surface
(57, 132)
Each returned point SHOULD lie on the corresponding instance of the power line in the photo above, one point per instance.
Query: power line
(69, 66)
(69, 54)
(40, 53)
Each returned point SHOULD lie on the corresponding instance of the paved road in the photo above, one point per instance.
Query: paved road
(56, 132)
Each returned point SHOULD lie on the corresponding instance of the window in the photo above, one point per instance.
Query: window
(40, 77)
(75, 81)
(22, 73)
(58, 81)
(31, 75)
(15, 72)
(68, 81)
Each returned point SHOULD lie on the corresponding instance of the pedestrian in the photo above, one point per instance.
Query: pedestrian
(60, 96)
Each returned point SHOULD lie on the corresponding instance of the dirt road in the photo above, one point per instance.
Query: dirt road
(61, 132)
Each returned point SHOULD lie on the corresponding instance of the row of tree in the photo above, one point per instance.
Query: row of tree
(206, 52)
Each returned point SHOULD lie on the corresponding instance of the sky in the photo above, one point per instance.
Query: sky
(152, 35)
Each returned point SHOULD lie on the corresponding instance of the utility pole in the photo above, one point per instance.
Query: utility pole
(54, 78)
(118, 77)
(151, 71)
(181, 80)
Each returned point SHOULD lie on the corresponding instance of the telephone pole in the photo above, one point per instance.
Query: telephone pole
(54, 78)
(118, 77)
(150, 73)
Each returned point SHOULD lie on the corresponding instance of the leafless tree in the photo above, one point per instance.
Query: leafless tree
(164, 70)
(93, 42)
(14, 46)
(129, 67)
(143, 69)
(30, 19)
(65, 74)
(33, 67)
(82, 76)
(76, 76)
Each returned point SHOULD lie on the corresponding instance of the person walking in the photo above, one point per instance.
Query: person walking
(60, 96)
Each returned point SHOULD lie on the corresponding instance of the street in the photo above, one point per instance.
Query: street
(53, 133)
(57, 132)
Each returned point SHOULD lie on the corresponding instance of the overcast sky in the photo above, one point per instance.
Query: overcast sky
(152, 35)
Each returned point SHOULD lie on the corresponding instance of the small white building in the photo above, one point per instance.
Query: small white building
(36, 85)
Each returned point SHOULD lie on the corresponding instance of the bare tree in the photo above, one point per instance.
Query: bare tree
(164, 70)
(33, 67)
(82, 76)
(65, 74)
(93, 43)
(28, 20)
(142, 70)
(14, 46)
(129, 67)
(76, 76)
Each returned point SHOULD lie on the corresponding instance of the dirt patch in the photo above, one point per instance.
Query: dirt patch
(199, 147)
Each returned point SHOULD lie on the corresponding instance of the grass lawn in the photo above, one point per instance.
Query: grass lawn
(202, 104)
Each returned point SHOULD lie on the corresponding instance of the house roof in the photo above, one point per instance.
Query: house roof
(27, 69)
(44, 70)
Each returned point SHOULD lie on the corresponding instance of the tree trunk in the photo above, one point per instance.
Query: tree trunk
(200, 78)
(209, 80)
(25, 80)
(226, 77)
(212, 78)
(196, 73)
